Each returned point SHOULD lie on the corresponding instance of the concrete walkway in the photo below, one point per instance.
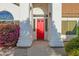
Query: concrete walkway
(39, 48)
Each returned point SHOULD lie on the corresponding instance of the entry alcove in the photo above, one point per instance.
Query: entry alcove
(40, 11)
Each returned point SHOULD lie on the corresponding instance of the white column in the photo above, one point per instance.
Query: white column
(24, 40)
(24, 11)
(55, 26)
(57, 16)
(31, 14)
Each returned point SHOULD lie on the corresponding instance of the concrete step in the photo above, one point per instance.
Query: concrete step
(56, 44)
(24, 43)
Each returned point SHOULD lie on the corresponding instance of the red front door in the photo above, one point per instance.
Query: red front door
(40, 29)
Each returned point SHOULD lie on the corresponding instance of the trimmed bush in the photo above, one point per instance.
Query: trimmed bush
(74, 52)
(9, 34)
(72, 45)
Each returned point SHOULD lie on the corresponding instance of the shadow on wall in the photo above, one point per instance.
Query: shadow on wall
(55, 36)
(26, 27)
(26, 37)
(55, 41)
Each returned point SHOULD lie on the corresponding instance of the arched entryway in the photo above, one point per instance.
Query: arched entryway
(40, 20)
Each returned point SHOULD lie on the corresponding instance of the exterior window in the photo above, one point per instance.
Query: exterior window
(5, 15)
(69, 27)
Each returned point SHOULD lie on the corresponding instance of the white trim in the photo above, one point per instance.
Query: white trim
(70, 19)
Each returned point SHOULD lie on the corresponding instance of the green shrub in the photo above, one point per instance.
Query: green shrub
(74, 52)
(72, 47)
(72, 44)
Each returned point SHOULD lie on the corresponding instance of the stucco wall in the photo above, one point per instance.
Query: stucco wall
(13, 9)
